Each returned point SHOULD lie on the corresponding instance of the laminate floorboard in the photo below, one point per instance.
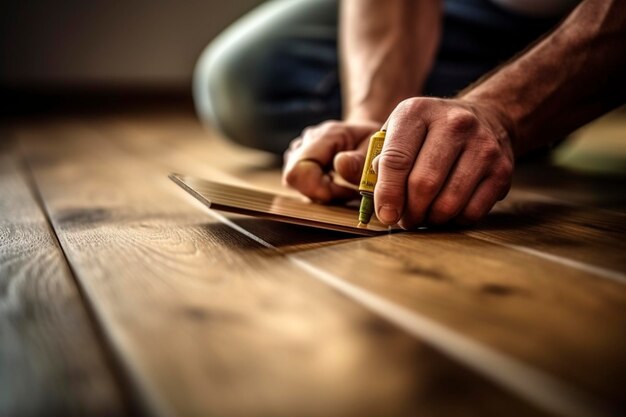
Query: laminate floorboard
(545, 313)
(564, 321)
(51, 361)
(208, 322)
(583, 234)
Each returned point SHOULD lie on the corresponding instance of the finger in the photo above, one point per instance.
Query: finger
(435, 161)
(309, 178)
(323, 142)
(342, 193)
(457, 190)
(349, 165)
(482, 201)
(319, 144)
(375, 162)
(295, 144)
(405, 133)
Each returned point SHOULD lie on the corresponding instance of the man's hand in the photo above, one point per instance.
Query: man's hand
(442, 160)
(320, 149)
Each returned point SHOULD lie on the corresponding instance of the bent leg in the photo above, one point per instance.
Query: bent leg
(271, 74)
(275, 71)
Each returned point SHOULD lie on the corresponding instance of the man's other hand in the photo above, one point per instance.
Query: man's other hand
(330, 146)
(443, 160)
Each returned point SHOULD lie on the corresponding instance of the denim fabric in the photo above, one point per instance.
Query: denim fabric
(276, 71)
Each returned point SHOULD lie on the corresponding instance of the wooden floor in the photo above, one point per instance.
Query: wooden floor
(122, 295)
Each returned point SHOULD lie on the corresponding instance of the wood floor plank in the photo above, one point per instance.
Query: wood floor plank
(563, 224)
(51, 362)
(177, 142)
(565, 185)
(210, 322)
(591, 236)
(250, 201)
(545, 313)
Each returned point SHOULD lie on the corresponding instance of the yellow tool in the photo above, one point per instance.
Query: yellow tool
(369, 177)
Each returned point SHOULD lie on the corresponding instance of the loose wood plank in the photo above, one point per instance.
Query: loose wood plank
(210, 322)
(50, 360)
(245, 200)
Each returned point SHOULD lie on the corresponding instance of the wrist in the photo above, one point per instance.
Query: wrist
(365, 114)
(499, 119)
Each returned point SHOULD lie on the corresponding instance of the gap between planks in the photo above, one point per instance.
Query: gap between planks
(537, 387)
(118, 331)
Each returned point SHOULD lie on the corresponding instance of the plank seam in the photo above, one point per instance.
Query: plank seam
(598, 271)
(534, 385)
(124, 384)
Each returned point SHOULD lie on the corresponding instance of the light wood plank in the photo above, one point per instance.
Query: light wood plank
(248, 201)
(209, 322)
(51, 362)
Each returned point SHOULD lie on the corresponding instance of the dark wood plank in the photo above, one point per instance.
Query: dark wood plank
(591, 236)
(541, 312)
(50, 360)
(568, 186)
(210, 322)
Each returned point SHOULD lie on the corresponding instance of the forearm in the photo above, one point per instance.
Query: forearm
(387, 48)
(569, 78)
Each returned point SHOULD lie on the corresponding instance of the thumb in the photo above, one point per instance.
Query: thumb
(349, 165)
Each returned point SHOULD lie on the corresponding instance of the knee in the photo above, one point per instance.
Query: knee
(224, 97)
(235, 77)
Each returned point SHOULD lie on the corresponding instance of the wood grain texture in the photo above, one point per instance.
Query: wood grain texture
(50, 359)
(592, 239)
(565, 321)
(562, 319)
(209, 322)
(248, 201)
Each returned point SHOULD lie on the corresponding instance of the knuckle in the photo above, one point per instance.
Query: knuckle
(411, 105)
(308, 133)
(408, 103)
(424, 185)
(331, 125)
(461, 120)
(395, 159)
(295, 144)
(503, 171)
(489, 151)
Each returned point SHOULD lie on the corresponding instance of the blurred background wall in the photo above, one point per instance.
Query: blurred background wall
(108, 44)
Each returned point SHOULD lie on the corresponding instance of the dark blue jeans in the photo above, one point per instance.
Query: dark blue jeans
(275, 71)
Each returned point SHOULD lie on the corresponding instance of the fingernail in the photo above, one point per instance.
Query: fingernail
(387, 214)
